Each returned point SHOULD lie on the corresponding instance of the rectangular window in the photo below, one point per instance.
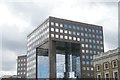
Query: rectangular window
(78, 33)
(107, 76)
(66, 31)
(56, 24)
(82, 45)
(52, 23)
(66, 37)
(99, 77)
(56, 30)
(115, 75)
(114, 64)
(74, 38)
(52, 29)
(65, 26)
(61, 31)
(69, 32)
(56, 36)
(106, 66)
(61, 36)
(74, 33)
(74, 27)
(78, 39)
(61, 25)
(70, 37)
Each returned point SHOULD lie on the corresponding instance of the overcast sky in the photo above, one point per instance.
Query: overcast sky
(18, 19)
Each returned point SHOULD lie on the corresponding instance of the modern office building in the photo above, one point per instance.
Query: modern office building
(60, 48)
(22, 66)
(107, 65)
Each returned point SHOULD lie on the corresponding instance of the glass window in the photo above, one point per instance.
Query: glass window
(86, 51)
(106, 66)
(91, 63)
(91, 57)
(91, 69)
(82, 39)
(57, 30)
(90, 35)
(52, 29)
(69, 32)
(82, 34)
(56, 24)
(83, 56)
(94, 46)
(78, 33)
(61, 25)
(86, 34)
(61, 31)
(52, 23)
(81, 28)
(95, 52)
(78, 39)
(89, 30)
(96, 31)
(78, 28)
(91, 52)
(90, 40)
(66, 37)
(87, 57)
(93, 30)
(56, 36)
(70, 26)
(97, 36)
(87, 62)
(74, 27)
(65, 31)
(97, 47)
(83, 62)
(86, 45)
(74, 38)
(84, 68)
(100, 37)
(93, 36)
(88, 68)
(61, 36)
(85, 29)
(65, 26)
(83, 51)
(93, 41)
(116, 76)
(101, 42)
(100, 32)
(114, 63)
(97, 42)
(90, 46)
(70, 37)
(74, 33)
(86, 40)
(82, 45)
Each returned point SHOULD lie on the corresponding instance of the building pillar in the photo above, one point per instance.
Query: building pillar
(52, 59)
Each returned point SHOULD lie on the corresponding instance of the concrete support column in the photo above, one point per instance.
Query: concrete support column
(52, 59)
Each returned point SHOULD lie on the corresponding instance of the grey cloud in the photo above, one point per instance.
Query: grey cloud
(35, 13)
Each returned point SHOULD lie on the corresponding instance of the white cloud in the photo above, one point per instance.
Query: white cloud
(2, 73)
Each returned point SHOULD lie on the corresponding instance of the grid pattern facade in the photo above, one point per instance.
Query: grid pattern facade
(35, 39)
(90, 38)
(22, 66)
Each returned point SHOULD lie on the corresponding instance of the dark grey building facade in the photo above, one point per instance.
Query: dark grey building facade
(61, 48)
(22, 66)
